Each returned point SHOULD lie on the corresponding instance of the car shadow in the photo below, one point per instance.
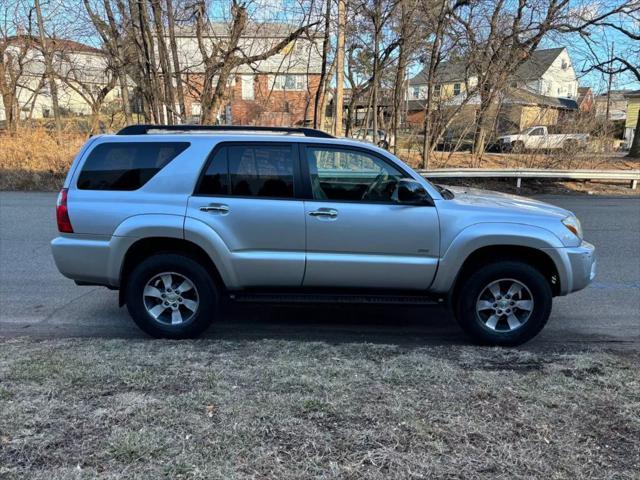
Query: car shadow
(403, 325)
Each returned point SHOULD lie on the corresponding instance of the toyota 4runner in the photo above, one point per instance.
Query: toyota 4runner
(180, 218)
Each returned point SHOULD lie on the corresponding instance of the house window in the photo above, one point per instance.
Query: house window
(415, 93)
(436, 91)
(289, 82)
(565, 65)
(457, 88)
(196, 109)
(247, 87)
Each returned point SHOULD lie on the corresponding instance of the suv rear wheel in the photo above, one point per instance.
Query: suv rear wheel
(171, 296)
(505, 303)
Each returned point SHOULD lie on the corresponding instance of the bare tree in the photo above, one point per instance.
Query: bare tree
(113, 39)
(626, 26)
(499, 36)
(48, 58)
(14, 57)
(321, 91)
(221, 58)
(340, 46)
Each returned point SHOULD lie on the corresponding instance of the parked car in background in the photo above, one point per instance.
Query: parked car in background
(543, 138)
(182, 218)
(385, 139)
(454, 141)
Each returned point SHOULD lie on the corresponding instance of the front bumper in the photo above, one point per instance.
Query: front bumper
(583, 262)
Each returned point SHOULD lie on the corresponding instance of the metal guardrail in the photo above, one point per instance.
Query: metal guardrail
(519, 173)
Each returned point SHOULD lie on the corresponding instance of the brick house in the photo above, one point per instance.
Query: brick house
(278, 91)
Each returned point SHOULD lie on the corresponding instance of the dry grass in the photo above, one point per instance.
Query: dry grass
(557, 160)
(35, 159)
(278, 409)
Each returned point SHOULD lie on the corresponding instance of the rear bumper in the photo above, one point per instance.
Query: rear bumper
(90, 259)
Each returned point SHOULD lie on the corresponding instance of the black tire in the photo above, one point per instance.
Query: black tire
(517, 146)
(189, 268)
(474, 285)
(570, 146)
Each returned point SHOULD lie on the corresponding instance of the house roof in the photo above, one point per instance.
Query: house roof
(521, 96)
(59, 44)
(633, 93)
(538, 62)
(534, 67)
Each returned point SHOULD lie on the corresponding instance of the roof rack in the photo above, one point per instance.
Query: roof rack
(144, 129)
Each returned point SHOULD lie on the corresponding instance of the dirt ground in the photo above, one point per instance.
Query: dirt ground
(96, 408)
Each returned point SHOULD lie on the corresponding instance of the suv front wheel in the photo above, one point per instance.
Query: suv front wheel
(505, 303)
(171, 296)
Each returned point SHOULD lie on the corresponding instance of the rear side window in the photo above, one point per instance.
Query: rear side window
(250, 171)
(126, 166)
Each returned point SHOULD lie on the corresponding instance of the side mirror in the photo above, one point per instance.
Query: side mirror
(410, 191)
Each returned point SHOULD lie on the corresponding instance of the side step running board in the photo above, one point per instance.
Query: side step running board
(335, 298)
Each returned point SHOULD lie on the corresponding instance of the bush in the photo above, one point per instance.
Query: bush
(36, 159)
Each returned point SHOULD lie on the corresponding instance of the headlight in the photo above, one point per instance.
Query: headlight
(573, 224)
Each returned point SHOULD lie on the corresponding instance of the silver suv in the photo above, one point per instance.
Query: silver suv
(181, 218)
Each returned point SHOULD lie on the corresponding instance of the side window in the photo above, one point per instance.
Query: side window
(250, 171)
(261, 171)
(126, 165)
(216, 179)
(537, 132)
(342, 174)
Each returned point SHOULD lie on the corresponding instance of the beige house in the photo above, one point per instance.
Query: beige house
(81, 71)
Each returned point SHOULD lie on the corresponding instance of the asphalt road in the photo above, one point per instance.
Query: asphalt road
(36, 300)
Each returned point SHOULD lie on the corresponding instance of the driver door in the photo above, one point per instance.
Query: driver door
(358, 234)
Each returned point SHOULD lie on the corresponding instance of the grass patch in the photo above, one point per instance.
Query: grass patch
(36, 159)
(279, 409)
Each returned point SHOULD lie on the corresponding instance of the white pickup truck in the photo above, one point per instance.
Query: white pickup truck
(542, 138)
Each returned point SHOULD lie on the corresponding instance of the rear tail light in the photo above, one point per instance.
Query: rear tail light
(62, 213)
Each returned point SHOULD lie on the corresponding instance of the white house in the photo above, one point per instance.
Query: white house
(546, 72)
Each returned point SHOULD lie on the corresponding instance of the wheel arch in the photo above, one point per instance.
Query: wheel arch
(534, 257)
(146, 247)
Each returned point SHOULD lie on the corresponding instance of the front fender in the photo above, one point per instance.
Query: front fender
(482, 235)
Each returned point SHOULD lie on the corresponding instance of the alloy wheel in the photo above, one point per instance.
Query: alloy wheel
(504, 305)
(170, 298)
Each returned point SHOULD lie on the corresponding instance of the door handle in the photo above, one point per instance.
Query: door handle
(215, 207)
(324, 212)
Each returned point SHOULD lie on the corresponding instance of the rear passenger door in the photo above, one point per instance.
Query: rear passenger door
(358, 233)
(247, 196)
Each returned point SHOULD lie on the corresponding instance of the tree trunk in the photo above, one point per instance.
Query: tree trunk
(634, 151)
(48, 68)
(165, 65)
(480, 137)
(323, 71)
(9, 102)
(124, 90)
(339, 98)
(176, 62)
(376, 67)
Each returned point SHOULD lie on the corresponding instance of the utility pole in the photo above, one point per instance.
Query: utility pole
(339, 100)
